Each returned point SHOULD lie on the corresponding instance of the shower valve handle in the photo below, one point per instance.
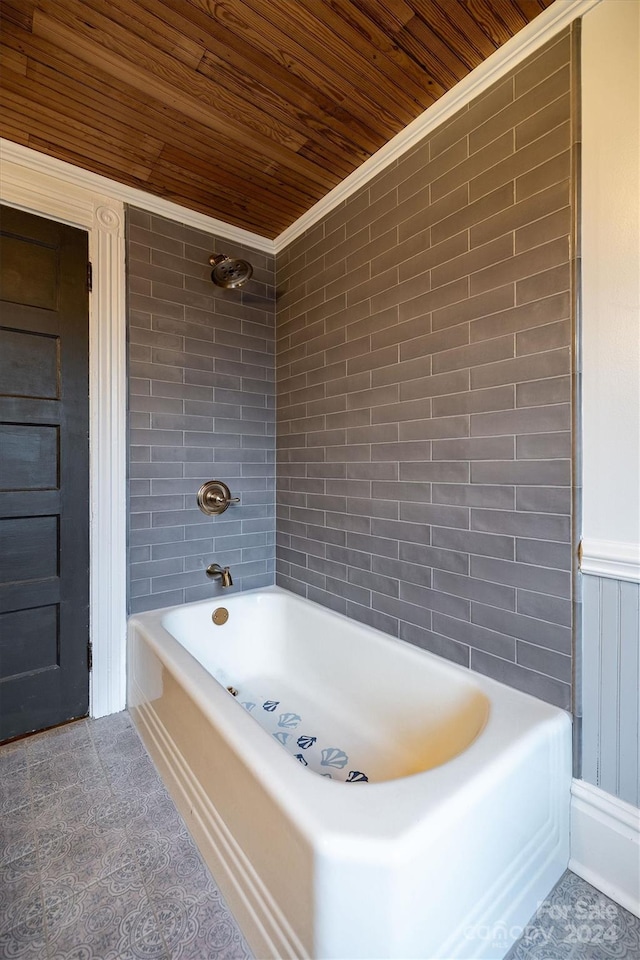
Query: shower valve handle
(214, 497)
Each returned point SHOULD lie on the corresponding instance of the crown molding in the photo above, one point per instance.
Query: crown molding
(70, 174)
(508, 56)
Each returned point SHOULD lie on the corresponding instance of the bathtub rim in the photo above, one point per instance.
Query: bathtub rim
(388, 812)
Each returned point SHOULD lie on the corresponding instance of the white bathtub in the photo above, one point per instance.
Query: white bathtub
(452, 825)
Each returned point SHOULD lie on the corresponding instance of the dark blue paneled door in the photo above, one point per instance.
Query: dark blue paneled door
(44, 473)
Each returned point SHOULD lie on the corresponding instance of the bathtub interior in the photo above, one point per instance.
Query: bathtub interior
(328, 692)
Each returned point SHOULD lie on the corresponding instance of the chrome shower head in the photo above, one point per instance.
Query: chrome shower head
(228, 272)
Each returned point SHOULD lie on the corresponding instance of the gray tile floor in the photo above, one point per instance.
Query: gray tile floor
(96, 864)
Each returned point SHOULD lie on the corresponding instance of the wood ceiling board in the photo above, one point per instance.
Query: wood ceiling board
(247, 60)
(314, 73)
(359, 32)
(97, 92)
(246, 110)
(73, 27)
(455, 26)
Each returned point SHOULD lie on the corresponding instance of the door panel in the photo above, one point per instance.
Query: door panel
(29, 364)
(44, 473)
(29, 457)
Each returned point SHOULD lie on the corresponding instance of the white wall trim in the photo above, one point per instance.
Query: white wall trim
(605, 844)
(508, 56)
(27, 186)
(94, 182)
(611, 558)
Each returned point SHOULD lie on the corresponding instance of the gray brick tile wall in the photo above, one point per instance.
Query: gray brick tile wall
(424, 365)
(201, 407)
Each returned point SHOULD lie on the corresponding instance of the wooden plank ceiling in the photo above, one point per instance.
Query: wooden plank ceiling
(246, 110)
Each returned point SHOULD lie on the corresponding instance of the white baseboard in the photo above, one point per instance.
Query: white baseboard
(605, 844)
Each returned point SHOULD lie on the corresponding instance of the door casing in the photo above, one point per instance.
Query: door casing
(59, 198)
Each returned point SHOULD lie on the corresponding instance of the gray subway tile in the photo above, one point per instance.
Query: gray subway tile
(528, 104)
(432, 344)
(437, 385)
(551, 57)
(473, 213)
(553, 170)
(475, 401)
(350, 591)
(551, 636)
(516, 164)
(545, 608)
(544, 553)
(533, 525)
(401, 610)
(349, 556)
(156, 535)
(475, 448)
(401, 570)
(435, 643)
(515, 675)
(157, 503)
(399, 530)
(552, 363)
(405, 450)
(543, 446)
(383, 547)
(524, 316)
(461, 586)
(434, 428)
(155, 601)
(554, 225)
(473, 307)
(474, 495)
(523, 212)
(330, 568)
(545, 284)
(544, 661)
(474, 166)
(548, 337)
(446, 516)
(471, 542)
(556, 583)
(475, 260)
(435, 600)
(554, 473)
(429, 556)
(401, 491)
(155, 568)
(327, 599)
(554, 389)
(474, 636)
(372, 618)
(499, 348)
(534, 420)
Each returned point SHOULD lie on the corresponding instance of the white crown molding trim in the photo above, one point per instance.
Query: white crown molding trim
(508, 56)
(42, 163)
(611, 558)
(605, 844)
(28, 187)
